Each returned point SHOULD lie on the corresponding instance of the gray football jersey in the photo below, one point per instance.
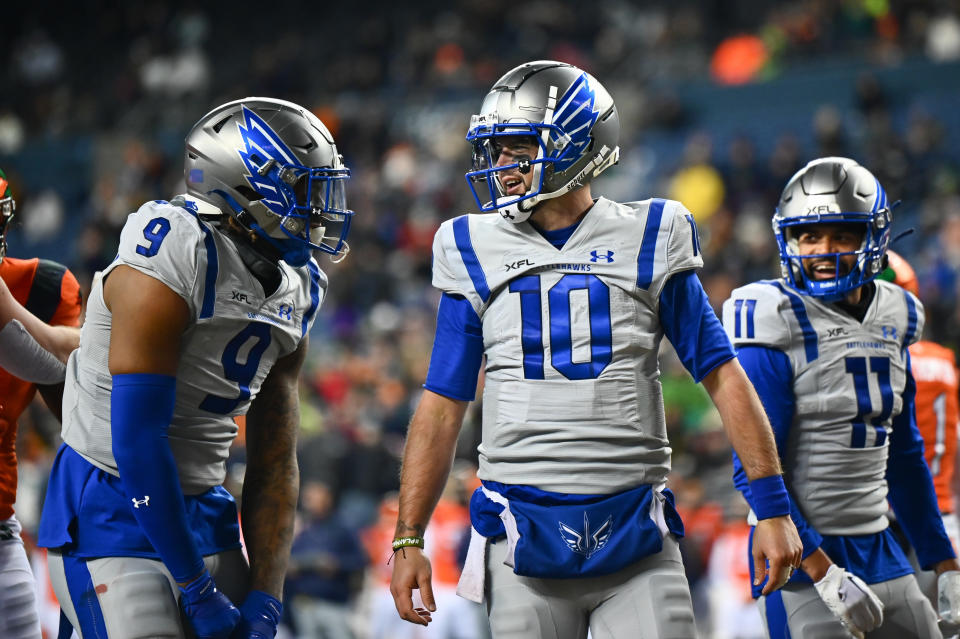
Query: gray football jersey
(235, 335)
(572, 400)
(848, 381)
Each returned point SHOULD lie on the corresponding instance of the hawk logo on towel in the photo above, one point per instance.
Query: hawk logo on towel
(586, 543)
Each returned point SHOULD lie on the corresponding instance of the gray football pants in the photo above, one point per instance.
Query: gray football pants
(907, 614)
(647, 600)
(132, 597)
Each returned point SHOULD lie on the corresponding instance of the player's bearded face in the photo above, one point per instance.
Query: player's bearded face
(823, 240)
(512, 150)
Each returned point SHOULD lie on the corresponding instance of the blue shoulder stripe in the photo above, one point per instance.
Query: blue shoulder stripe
(648, 245)
(314, 296)
(810, 342)
(461, 233)
(213, 268)
(911, 320)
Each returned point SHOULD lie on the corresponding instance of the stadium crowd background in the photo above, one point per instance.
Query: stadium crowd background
(720, 102)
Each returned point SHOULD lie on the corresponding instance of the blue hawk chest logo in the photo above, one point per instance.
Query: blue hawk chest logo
(585, 542)
(576, 114)
(262, 144)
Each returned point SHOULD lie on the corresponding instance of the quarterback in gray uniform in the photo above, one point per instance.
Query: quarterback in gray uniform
(202, 317)
(568, 297)
(826, 349)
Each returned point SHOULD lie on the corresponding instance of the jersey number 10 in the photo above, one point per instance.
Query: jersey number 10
(561, 329)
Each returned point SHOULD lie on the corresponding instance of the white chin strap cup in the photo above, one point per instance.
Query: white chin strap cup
(512, 211)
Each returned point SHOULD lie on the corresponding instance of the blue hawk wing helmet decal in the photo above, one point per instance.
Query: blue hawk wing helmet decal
(584, 543)
(576, 114)
(263, 144)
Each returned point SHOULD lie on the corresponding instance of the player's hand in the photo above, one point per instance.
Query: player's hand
(776, 541)
(411, 571)
(260, 614)
(210, 612)
(851, 600)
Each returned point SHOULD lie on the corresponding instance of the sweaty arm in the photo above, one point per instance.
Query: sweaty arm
(431, 443)
(702, 345)
(271, 485)
(272, 479)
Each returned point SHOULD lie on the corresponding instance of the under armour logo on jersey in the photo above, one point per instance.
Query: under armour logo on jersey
(889, 332)
(584, 542)
(285, 311)
(141, 502)
(595, 256)
(6, 532)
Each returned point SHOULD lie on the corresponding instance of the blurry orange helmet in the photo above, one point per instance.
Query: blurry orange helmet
(900, 273)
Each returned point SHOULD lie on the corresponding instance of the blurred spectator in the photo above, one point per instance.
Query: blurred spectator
(325, 570)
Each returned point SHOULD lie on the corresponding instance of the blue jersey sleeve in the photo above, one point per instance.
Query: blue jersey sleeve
(771, 374)
(910, 486)
(457, 350)
(692, 326)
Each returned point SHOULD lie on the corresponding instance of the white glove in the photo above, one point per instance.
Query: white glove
(948, 598)
(851, 600)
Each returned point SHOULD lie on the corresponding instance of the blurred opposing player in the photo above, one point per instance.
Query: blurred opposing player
(826, 348)
(568, 297)
(935, 373)
(202, 317)
(34, 294)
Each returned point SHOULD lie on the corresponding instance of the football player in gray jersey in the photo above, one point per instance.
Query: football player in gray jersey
(568, 297)
(826, 349)
(201, 318)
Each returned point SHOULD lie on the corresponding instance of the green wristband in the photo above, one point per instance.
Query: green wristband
(406, 542)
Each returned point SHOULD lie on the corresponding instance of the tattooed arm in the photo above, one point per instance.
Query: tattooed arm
(272, 479)
(427, 457)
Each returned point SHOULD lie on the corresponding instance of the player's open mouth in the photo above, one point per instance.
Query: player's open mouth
(513, 185)
(824, 270)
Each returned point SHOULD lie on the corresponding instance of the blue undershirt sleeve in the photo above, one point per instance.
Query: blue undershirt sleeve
(457, 350)
(141, 407)
(771, 374)
(910, 486)
(692, 326)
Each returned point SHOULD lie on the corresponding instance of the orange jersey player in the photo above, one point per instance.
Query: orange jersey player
(34, 294)
(935, 371)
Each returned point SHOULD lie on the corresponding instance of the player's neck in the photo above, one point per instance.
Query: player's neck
(566, 210)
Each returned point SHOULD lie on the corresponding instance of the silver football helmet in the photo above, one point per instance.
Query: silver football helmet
(274, 167)
(8, 207)
(833, 190)
(573, 119)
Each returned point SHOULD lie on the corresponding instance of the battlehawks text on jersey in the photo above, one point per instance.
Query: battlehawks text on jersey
(572, 400)
(235, 335)
(848, 380)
